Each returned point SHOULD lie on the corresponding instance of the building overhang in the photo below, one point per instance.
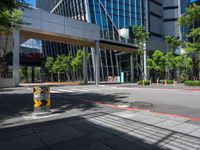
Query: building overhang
(118, 46)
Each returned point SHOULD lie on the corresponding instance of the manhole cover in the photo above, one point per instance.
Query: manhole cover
(141, 105)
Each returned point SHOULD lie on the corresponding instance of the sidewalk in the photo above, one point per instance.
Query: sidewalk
(125, 130)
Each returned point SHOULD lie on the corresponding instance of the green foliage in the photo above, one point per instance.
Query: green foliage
(77, 62)
(49, 64)
(168, 81)
(170, 61)
(157, 63)
(60, 64)
(192, 83)
(24, 73)
(191, 14)
(8, 9)
(141, 82)
(141, 37)
(192, 48)
(172, 42)
(184, 65)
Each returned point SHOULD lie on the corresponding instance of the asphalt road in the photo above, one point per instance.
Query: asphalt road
(15, 103)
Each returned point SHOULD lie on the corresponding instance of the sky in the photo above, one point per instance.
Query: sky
(32, 2)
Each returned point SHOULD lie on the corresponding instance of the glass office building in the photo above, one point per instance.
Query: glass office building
(158, 16)
(110, 15)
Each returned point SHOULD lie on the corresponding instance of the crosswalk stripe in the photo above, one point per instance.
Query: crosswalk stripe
(52, 91)
(81, 90)
(64, 90)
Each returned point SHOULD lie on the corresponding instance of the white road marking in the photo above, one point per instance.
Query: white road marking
(64, 90)
(52, 91)
(33, 117)
(80, 90)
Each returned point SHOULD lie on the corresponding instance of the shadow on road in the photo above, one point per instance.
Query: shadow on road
(14, 105)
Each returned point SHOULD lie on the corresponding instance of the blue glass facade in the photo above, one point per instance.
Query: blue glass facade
(112, 15)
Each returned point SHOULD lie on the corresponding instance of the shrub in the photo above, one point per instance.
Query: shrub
(147, 82)
(192, 83)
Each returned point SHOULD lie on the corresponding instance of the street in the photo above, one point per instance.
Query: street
(102, 117)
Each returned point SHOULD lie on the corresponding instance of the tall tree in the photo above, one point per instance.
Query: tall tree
(49, 66)
(157, 64)
(6, 35)
(141, 37)
(10, 17)
(192, 47)
(77, 62)
(172, 42)
(184, 66)
(60, 66)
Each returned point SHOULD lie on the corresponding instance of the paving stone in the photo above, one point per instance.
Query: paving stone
(184, 143)
(195, 133)
(164, 116)
(118, 143)
(185, 128)
(16, 133)
(121, 125)
(139, 117)
(91, 130)
(74, 143)
(48, 127)
(95, 146)
(153, 120)
(60, 134)
(125, 114)
(25, 142)
(104, 127)
(168, 124)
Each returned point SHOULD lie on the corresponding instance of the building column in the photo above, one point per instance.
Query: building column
(132, 68)
(16, 58)
(85, 73)
(97, 78)
(42, 74)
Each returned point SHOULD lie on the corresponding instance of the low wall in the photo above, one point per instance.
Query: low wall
(6, 82)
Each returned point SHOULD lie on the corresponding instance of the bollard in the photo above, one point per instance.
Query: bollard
(165, 82)
(174, 83)
(41, 97)
(150, 83)
(157, 82)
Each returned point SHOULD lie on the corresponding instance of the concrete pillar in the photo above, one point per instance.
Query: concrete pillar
(42, 74)
(97, 74)
(132, 68)
(16, 58)
(85, 73)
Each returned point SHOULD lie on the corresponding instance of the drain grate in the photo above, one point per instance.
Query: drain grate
(141, 105)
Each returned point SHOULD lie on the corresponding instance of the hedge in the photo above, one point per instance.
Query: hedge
(147, 82)
(192, 83)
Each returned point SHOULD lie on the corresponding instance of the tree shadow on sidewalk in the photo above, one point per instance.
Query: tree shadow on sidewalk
(95, 131)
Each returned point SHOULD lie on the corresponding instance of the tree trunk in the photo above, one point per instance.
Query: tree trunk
(142, 67)
(58, 76)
